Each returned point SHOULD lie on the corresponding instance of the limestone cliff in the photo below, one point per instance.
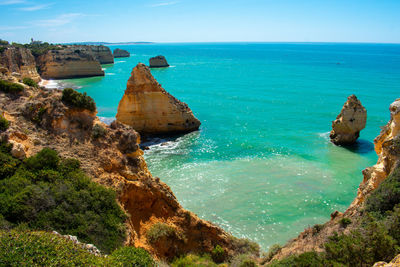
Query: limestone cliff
(40, 119)
(120, 53)
(158, 62)
(387, 148)
(68, 63)
(19, 61)
(149, 109)
(348, 124)
(100, 52)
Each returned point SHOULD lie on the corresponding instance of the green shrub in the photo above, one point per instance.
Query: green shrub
(344, 222)
(30, 82)
(248, 263)
(2, 49)
(218, 254)
(3, 123)
(131, 256)
(78, 100)
(3, 42)
(191, 260)
(243, 260)
(46, 193)
(317, 228)
(244, 246)
(386, 196)
(9, 87)
(307, 259)
(28, 248)
(98, 131)
(160, 230)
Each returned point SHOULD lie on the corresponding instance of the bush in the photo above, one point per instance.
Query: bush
(386, 196)
(98, 131)
(317, 228)
(307, 259)
(26, 248)
(244, 246)
(30, 82)
(9, 87)
(3, 42)
(46, 193)
(131, 256)
(242, 260)
(344, 222)
(160, 230)
(218, 254)
(78, 100)
(193, 261)
(3, 123)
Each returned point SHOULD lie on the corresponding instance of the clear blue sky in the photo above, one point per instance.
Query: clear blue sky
(201, 20)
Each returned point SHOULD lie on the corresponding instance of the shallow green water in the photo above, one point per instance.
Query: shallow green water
(261, 165)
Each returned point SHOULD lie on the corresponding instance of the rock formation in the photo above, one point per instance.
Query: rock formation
(68, 63)
(158, 62)
(120, 53)
(348, 124)
(100, 52)
(149, 109)
(19, 61)
(387, 147)
(388, 150)
(40, 119)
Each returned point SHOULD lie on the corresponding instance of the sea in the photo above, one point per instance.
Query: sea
(261, 166)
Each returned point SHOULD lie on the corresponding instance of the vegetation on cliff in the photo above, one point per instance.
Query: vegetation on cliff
(9, 87)
(45, 192)
(30, 82)
(78, 100)
(38, 49)
(39, 248)
(375, 238)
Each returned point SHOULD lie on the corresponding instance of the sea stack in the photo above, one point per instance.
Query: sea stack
(149, 109)
(348, 124)
(120, 53)
(158, 62)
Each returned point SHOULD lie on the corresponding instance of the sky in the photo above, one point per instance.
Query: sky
(374, 21)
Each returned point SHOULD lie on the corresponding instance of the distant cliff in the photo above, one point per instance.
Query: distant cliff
(19, 60)
(100, 52)
(68, 63)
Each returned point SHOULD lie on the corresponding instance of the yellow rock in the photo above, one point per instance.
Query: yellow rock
(148, 108)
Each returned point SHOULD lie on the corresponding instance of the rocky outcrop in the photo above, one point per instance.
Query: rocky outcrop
(100, 52)
(348, 124)
(120, 53)
(158, 62)
(149, 109)
(20, 62)
(68, 63)
(394, 263)
(387, 147)
(40, 119)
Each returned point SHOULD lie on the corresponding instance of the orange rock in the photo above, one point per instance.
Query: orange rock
(148, 108)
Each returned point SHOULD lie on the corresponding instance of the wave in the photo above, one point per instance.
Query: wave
(107, 120)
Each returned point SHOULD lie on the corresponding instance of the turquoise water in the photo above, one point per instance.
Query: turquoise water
(261, 165)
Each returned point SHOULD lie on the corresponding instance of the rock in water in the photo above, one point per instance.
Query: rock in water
(120, 53)
(149, 109)
(158, 62)
(348, 124)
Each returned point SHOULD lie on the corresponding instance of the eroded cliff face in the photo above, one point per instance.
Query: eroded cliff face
(68, 63)
(99, 52)
(149, 109)
(387, 147)
(348, 124)
(19, 61)
(40, 119)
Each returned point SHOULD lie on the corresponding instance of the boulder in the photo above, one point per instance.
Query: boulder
(120, 53)
(158, 62)
(348, 124)
(149, 109)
